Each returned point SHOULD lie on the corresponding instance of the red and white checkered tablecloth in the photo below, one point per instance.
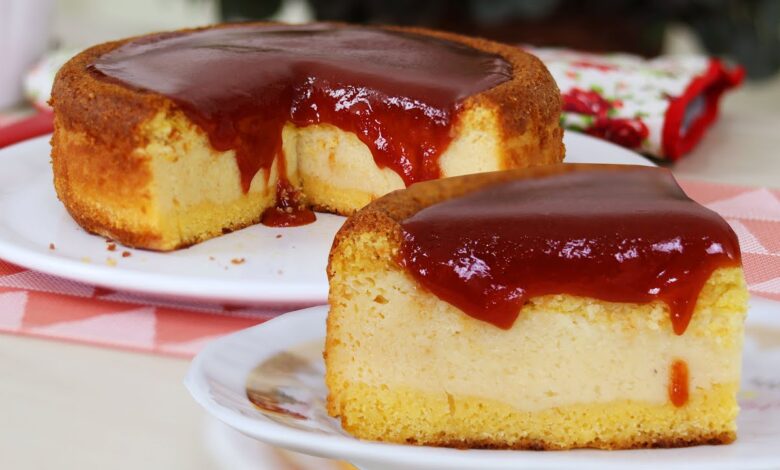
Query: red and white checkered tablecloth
(37, 304)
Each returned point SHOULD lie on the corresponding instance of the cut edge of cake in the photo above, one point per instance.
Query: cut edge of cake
(446, 387)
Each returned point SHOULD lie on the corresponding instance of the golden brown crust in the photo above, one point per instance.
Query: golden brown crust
(105, 118)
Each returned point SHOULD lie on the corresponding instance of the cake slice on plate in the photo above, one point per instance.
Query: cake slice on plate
(558, 307)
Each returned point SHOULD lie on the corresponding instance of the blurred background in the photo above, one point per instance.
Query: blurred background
(747, 31)
(743, 31)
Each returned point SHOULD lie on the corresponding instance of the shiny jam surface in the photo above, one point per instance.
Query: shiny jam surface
(398, 92)
(678, 383)
(618, 236)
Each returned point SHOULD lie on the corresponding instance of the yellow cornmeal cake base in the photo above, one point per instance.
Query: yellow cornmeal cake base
(412, 417)
(404, 366)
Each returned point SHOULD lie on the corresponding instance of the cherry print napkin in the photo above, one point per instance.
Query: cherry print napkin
(660, 107)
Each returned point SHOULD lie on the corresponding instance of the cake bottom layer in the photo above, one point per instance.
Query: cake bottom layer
(441, 419)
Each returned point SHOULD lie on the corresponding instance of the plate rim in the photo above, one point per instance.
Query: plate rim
(348, 448)
(147, 283)
(210, 289)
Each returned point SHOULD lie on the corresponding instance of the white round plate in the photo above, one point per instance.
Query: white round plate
(249, 266)
(280, 364)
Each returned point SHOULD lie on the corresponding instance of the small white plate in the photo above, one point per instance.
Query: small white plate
(249, 266)
(280, 361)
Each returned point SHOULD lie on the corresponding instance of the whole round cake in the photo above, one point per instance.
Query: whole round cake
(165, 140)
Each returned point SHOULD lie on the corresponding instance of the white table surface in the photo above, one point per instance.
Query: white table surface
(72, 406)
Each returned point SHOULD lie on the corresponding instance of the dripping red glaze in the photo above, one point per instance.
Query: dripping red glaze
(619, 236)
(289, 210)
(398, 92)
(678, 383)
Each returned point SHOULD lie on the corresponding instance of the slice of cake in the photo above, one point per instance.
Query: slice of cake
(166, 140)
(556, 307)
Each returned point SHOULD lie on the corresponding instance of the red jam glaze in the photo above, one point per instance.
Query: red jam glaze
(619, 236)
(678, 383)
(281, 217)
(398, 92)
(289, 210)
